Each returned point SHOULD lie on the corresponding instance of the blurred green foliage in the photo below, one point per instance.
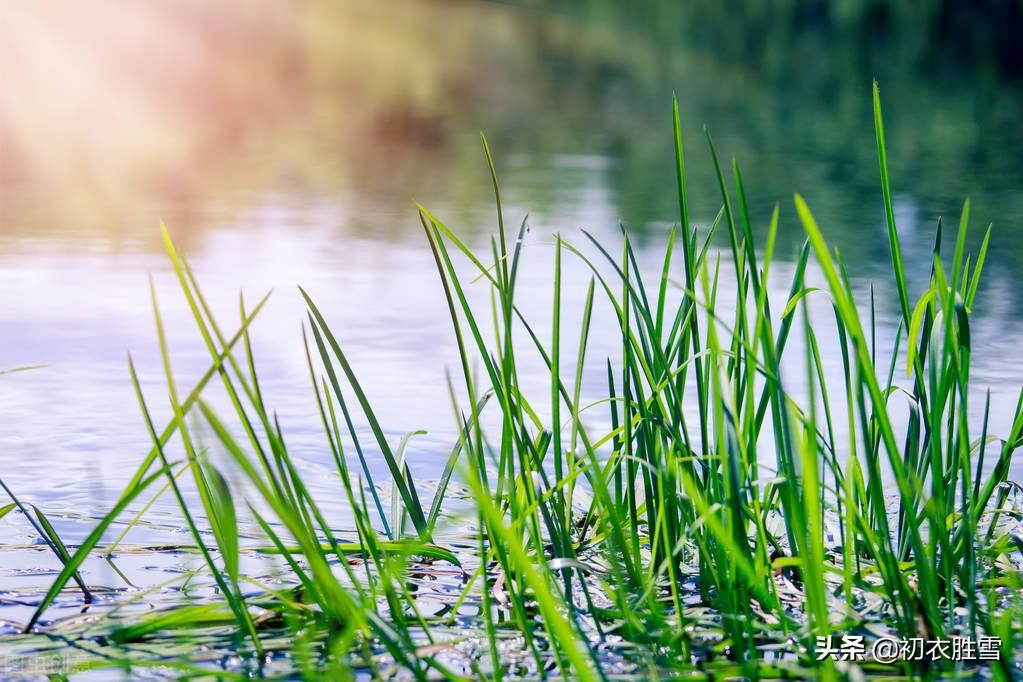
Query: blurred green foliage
(177, 101)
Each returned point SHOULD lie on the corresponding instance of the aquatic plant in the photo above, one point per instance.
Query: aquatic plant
(720, 526)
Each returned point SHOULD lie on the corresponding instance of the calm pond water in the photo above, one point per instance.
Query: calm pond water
(287, 146)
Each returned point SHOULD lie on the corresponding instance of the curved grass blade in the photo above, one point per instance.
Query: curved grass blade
(411, 502)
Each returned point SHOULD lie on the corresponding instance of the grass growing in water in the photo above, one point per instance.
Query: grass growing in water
(664, 544)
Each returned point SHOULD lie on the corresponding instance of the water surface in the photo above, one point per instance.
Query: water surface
(289, 146)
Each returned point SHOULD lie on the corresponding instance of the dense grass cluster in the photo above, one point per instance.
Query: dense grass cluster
(669, 543)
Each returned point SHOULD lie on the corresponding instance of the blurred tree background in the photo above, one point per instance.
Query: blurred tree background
(116, 113)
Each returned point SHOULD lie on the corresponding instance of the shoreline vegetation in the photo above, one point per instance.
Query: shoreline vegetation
(670, 544)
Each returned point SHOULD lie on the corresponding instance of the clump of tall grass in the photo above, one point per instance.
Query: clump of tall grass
(671, 536)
